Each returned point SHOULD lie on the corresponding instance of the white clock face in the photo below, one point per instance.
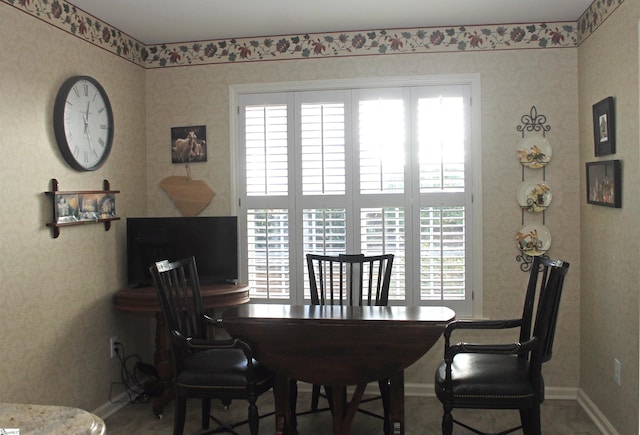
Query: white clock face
(85, 122)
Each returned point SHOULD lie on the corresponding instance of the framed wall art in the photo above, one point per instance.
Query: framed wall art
(79, 207)
(189, 144)
(604, 132)
(604, 183)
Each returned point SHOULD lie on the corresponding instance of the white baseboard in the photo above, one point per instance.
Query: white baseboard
(428, 390)
(596, 416)
(108, 409)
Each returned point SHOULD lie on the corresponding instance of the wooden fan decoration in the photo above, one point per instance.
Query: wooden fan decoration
(189, 196)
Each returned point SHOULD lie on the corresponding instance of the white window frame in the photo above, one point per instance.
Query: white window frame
(475, 184)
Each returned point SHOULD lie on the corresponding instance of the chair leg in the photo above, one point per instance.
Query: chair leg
(181, 412)
(447, 422)
(530, 420)
(206, 413)
(253, 417)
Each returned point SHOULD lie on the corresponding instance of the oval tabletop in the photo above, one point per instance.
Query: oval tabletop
(336, 345)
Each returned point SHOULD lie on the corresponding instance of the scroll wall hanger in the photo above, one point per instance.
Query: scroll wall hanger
(533, 194)
(78, 207)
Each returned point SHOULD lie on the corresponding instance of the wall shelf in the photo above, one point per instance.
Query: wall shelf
(80, 207)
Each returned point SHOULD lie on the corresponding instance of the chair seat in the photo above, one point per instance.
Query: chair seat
(219, 369)
(494, 381)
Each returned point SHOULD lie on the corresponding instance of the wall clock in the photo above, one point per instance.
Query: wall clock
(83, 123)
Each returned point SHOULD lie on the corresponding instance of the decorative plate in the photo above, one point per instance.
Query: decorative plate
(534, 196)
(533, 239)
(534, 151)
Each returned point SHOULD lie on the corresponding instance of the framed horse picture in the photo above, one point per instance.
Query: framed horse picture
(189, 144)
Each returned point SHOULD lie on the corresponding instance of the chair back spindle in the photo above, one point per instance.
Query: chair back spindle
(349, 279)
(179, 291)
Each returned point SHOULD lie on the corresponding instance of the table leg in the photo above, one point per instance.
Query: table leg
(396, 405)
(343, 415)
(281, 398)
(339, 405)
(162, 361)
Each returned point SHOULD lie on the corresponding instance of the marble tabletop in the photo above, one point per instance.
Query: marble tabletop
(21, 419)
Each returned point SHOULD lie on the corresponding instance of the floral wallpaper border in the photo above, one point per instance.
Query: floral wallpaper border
(71, 19)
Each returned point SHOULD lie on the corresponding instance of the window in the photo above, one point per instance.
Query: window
(359, 169)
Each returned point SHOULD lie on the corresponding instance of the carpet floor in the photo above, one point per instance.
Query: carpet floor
(422, 417)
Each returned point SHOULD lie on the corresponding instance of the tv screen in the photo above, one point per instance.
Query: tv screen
(212, 240)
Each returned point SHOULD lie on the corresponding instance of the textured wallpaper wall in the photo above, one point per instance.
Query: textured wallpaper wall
(512, 81)
(608, 65)
(56, 314)
(78, 272)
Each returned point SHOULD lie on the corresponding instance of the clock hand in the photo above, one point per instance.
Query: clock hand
(90, 143)
(86, 123)
(86, 127)
(85, 116)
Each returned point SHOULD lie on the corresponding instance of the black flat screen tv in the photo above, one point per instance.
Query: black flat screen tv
(212, 240)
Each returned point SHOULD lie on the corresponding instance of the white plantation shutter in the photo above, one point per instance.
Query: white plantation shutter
(442, 253)
(266, 150)
(322, 146)
(268, 260)
(382, 141)
(441, 134)
(369, 170)
(382, 230)
(324, 232)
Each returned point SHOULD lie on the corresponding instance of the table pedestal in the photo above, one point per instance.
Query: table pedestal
(145, 300)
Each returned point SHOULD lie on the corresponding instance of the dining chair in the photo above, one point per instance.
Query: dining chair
(504, 375)
(205, 368)
(348, 280)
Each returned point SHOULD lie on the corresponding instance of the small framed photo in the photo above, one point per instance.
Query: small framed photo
(189, 144)
(604, 183)
(89, 206)
(107, 206)
(604, 132)
(67, 208)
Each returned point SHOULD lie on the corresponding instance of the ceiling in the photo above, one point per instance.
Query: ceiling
(170, 21)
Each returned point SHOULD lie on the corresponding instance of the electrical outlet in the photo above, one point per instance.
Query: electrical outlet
(112, 346)
(617, 368)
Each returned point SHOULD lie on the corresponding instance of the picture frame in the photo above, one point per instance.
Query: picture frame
(604, 183)
(604, 132)
(189, 144)
(66, 208)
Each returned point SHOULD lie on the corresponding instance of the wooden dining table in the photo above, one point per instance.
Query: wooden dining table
(337, 346)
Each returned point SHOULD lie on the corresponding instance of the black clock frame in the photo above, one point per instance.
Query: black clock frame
(59, 128)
